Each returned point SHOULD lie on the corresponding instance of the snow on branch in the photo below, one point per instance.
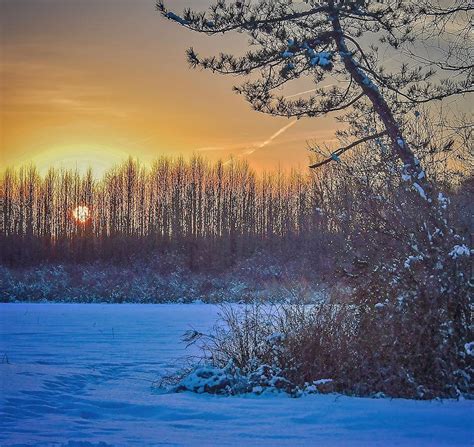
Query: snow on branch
(459, 251)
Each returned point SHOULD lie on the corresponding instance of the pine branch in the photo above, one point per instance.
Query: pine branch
(335, 155)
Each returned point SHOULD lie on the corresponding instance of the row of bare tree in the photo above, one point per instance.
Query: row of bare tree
(196, 206)
(174, 200)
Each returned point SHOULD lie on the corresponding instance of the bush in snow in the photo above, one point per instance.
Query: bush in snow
(231, 380)
(405, 266)
(409, 270)
(213, 380)
(322, 348)
(404, 323)
(261, 348)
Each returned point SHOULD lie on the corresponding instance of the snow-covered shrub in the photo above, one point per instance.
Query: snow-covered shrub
(213, 380)
(406, 268)
(272, 348)
(231, 380)
(404, 325)
(346, 348)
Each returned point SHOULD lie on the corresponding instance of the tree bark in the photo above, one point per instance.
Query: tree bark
(399, 146)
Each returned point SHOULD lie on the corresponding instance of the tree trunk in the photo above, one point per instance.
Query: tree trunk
(399, 146)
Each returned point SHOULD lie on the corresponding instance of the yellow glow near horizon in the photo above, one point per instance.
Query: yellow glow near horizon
(90, 83)
(78, 156)
(83, 85)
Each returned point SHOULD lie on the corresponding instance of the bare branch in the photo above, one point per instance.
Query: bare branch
(335, 155)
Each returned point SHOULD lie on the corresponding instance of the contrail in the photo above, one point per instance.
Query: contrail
(267, 142)
(301, 93)
(308, 91)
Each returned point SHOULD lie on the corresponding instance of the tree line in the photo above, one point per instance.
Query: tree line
(217, 213)
(173, 202)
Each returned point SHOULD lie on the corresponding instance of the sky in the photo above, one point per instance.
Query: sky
(90, 82)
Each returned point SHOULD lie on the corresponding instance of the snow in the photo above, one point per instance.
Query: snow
(420, 191)
(176, 18)
(322, 381)
(412, 259)
(323, 59)
(459, 251)
(469, 347)
(82, 374)
(443, 200)
(277, 337)
(205, 379)
(368, 82)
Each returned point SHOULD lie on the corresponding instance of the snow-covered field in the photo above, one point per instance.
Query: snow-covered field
(82, 375)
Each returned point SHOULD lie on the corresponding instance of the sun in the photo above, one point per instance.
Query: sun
(81, 214)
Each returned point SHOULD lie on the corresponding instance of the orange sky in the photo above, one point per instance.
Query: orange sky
(88, 82)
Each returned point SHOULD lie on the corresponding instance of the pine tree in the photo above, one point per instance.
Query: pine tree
(340, 44)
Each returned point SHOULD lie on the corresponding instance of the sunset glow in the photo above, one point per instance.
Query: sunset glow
(81, 214)
(70, 98)
(257, 208)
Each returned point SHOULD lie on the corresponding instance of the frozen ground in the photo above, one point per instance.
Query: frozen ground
(81, 375)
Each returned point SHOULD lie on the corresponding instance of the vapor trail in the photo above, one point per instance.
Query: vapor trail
(309, 91)
(300, 93)
(269, 140)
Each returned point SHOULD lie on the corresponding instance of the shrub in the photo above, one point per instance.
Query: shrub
(352, 349)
